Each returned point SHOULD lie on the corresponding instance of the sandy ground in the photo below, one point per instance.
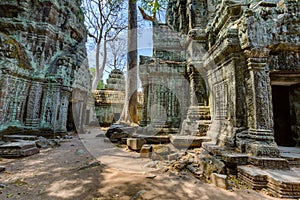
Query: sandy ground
(85, 167)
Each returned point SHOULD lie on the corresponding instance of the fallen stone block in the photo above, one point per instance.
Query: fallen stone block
(135, 143)
(219, 180)
(188, 141)
(18, 149)
(15, 138)
(146, 151)
(155, 139)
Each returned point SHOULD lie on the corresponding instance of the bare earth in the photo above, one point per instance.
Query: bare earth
(72, 171)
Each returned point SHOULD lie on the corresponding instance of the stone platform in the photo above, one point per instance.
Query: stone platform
(291, 154)
(281, 183)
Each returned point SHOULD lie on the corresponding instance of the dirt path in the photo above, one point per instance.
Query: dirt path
(72, 171)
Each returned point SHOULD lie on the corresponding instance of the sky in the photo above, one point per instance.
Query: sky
(145, 44)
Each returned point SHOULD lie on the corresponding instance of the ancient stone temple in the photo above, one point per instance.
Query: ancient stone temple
(242, 67)
(235, 89)
(44, 76)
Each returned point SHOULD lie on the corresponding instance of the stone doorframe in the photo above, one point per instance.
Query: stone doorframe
(259, 139)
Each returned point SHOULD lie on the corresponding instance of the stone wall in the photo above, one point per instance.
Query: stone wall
(42, 61)
(249, 46)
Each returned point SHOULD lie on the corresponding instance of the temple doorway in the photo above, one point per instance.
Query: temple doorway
(282, 115)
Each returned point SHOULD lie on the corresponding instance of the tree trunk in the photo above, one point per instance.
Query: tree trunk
(129, 114)
(99, 70)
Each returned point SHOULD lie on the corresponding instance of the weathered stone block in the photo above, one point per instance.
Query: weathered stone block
(14, 138)
(18, 149)
(219, 180)
(146, 151)
(157, 139)
(135, 143)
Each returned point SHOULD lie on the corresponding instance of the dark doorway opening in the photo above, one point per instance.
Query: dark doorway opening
(70, 119)
(282, 117)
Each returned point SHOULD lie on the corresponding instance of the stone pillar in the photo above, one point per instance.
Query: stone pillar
(191, 71)
(259, 106)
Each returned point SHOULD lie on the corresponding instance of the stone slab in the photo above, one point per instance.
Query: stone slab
(187, 141)
(155, 139)
(18, 145)
(19, 137)
(18, 149)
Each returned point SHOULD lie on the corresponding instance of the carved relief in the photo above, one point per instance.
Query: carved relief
(220, 92)
(28, 48)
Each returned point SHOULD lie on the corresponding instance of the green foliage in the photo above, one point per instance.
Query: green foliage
(153, 6)
(100, 85)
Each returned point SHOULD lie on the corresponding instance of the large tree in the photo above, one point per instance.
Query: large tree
(129, 114)
(104, 21)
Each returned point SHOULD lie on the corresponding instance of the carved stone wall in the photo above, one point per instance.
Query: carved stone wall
(250, 46)
(42, 60)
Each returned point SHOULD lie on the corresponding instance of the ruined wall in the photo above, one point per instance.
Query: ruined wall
(109, 102)
(42, 56)
(164, 81)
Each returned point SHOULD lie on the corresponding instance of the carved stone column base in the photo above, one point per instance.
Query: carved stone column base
(261, 135)
(258, 148)
(257, 143)
(262, 149)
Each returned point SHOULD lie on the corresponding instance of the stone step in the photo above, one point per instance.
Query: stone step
(18, 149)
(269, 163)
(15, 138)
(281, 183)
(291, 154)
(293, 161)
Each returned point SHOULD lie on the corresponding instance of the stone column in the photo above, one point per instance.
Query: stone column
(259, 106)
(191, 73)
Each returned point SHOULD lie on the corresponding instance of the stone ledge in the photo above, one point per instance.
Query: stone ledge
(281, 183)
